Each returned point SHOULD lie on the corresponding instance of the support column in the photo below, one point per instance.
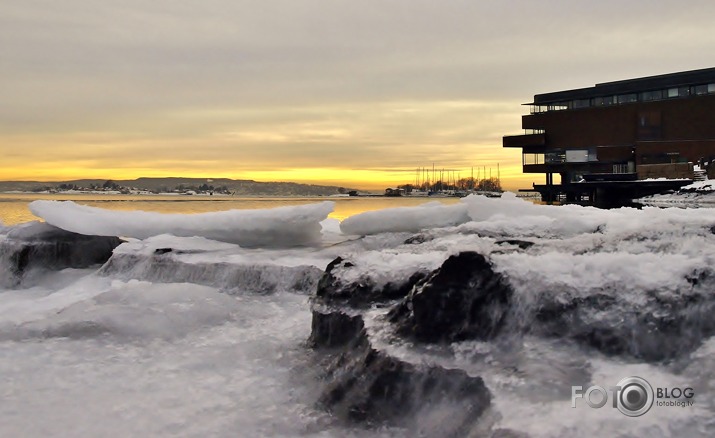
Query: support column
(549, 198)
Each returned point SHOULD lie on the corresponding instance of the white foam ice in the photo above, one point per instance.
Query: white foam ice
(281, 226)
(103, 357)
(405, 219)
(134, 309)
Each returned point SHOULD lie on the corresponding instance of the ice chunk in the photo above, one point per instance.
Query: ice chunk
(277, 227)
(406, 219)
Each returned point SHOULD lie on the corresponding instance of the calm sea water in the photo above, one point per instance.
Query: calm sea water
(14, 207)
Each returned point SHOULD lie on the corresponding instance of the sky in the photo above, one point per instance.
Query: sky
(351, 93)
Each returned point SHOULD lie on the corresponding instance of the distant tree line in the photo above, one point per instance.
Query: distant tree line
(481, 185)
(110, 185)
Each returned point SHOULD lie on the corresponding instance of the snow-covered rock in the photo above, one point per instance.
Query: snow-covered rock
(38, 246)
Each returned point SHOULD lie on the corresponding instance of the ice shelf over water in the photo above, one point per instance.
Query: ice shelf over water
(198, 325)
(281, 226)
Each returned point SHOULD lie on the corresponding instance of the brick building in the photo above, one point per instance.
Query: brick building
(623, 133)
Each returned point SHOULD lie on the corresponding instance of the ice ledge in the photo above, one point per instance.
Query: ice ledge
(233, 278)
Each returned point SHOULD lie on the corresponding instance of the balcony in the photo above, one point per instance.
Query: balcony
(536, 168)
(522, 141)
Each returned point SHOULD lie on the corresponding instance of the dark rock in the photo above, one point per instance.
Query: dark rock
(463, 299)
(522, 244)
(367, 386)
(362, 293)
(653, 336)
(654, 331)
(334, 329)
(38, 245)
(160, 251)
(417, 239)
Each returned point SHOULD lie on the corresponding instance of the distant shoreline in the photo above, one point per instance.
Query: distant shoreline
(174, 186)
(170, 194)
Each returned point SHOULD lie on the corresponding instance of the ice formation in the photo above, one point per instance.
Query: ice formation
(408, 219)
(569, 295)
(281, 226)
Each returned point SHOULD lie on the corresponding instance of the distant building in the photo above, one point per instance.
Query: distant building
(608, 139)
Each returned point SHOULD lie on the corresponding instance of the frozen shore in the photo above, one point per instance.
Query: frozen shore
(472, 319)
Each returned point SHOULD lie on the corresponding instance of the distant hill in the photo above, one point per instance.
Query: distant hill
(234, 186)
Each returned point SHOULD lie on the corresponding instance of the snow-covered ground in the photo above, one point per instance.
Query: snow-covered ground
(196, 326)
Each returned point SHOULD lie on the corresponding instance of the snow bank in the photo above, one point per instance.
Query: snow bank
(277, 227)
(405, 219)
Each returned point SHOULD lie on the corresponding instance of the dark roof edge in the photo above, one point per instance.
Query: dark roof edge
(692, 77)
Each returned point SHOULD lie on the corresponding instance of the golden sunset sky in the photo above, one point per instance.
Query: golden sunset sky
(350, 93)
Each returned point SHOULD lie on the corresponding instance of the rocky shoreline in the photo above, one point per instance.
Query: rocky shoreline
(470, 296)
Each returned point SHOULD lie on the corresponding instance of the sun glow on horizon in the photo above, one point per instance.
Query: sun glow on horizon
(364, 146)
(361, 179)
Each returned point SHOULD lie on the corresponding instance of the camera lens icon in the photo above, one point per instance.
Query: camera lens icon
(635, 397)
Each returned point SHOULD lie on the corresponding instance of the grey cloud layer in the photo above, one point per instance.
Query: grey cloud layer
(297, 74)
(141, 54)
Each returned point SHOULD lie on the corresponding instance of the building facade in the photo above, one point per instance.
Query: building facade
(630, 131)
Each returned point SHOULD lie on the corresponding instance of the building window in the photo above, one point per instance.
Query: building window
(555, 157)
(592, 154)
(529, 159)
(651, 95)
(699, 90)
(558, 106)
(581, 103)
(620, 168)
(679, 92)
(627, 98)
(577, 156)
(603, 101)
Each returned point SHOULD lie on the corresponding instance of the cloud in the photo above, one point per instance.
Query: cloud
(253, 85)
